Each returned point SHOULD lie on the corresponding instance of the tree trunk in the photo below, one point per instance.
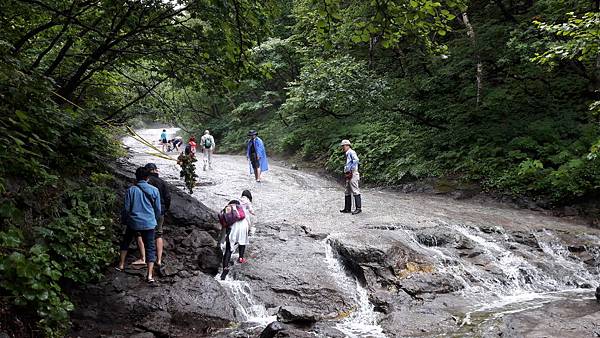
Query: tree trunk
(479, 66)
(23, 40)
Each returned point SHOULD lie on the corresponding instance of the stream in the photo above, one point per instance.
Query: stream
(409, 265)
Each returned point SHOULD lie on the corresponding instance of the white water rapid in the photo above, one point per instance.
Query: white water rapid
(362, 320)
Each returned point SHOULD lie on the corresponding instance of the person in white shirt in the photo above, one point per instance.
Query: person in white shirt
(238, 233)
(207, 142)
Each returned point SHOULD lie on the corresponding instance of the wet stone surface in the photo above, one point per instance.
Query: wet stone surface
(410, 265)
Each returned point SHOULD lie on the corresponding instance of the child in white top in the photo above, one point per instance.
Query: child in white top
(238, 233)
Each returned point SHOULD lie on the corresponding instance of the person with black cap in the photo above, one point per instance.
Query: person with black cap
(257, 155)
(165, 204)
(351, 177)
(141, 209)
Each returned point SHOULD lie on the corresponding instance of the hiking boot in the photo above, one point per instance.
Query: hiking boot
(347, 205)
(358, 204)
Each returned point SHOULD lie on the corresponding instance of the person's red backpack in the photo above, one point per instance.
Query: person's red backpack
(232, 213)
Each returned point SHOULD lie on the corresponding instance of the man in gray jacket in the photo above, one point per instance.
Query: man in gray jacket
(352, 178)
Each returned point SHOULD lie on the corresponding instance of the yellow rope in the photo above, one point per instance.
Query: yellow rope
(134, 135)
(140, 139)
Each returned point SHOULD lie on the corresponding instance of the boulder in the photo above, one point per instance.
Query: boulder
(294, 314)
(197, 239)
(272, 329)
(280, 330)
(209, 259)
(187, 211)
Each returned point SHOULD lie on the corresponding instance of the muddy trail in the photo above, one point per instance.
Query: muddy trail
(409, 266)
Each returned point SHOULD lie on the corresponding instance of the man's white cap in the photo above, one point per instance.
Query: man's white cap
(345, 143)
(206, 131)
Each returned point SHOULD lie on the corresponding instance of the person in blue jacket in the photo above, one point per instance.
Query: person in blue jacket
(141, 211)
(164, 139)
(257, 155)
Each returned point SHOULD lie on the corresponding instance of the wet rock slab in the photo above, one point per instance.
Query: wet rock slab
(565, 318)
(291, 273)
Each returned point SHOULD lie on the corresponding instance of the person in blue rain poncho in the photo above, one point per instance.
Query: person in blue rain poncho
(257, 155)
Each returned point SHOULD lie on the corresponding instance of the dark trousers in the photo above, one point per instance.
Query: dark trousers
(147, 237)
(227, 253)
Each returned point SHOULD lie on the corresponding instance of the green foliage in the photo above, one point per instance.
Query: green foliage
(337, 87)
(578, 39)
(72, 73)
(398, 79)
(188, 170)
(382, 22)
(74, 244)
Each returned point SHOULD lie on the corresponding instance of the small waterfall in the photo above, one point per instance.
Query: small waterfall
(250, 310)
(562, 260)
(504, 271)
(516, 276)
(362, 321)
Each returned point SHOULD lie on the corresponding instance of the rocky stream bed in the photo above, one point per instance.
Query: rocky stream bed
(410, 265)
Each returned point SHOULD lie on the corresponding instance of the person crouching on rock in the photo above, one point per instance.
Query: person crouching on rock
(351, 177)
(140, 213)
(238, 232)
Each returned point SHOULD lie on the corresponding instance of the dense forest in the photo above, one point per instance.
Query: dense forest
(498, 93)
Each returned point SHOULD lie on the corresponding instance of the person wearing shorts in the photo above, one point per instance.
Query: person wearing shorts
(164, 139)
(165, 204)
(141, 209)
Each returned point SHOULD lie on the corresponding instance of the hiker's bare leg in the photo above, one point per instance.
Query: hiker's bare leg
(150, 270)
(122, 259)
(159, 250)
(142, 259)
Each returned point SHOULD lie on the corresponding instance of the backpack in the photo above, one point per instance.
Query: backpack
(230, 214)
(188, 149)
(207, 142)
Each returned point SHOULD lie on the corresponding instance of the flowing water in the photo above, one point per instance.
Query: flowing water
(247, 306)
(362, 321)
(498, 275)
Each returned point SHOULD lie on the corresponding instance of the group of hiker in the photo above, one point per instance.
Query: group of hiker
(207, 144)
(143, 214)
(147, 201)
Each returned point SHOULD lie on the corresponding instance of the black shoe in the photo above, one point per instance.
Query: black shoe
(161, 270)
(224, 274)
(347, 205)
(358, 204)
